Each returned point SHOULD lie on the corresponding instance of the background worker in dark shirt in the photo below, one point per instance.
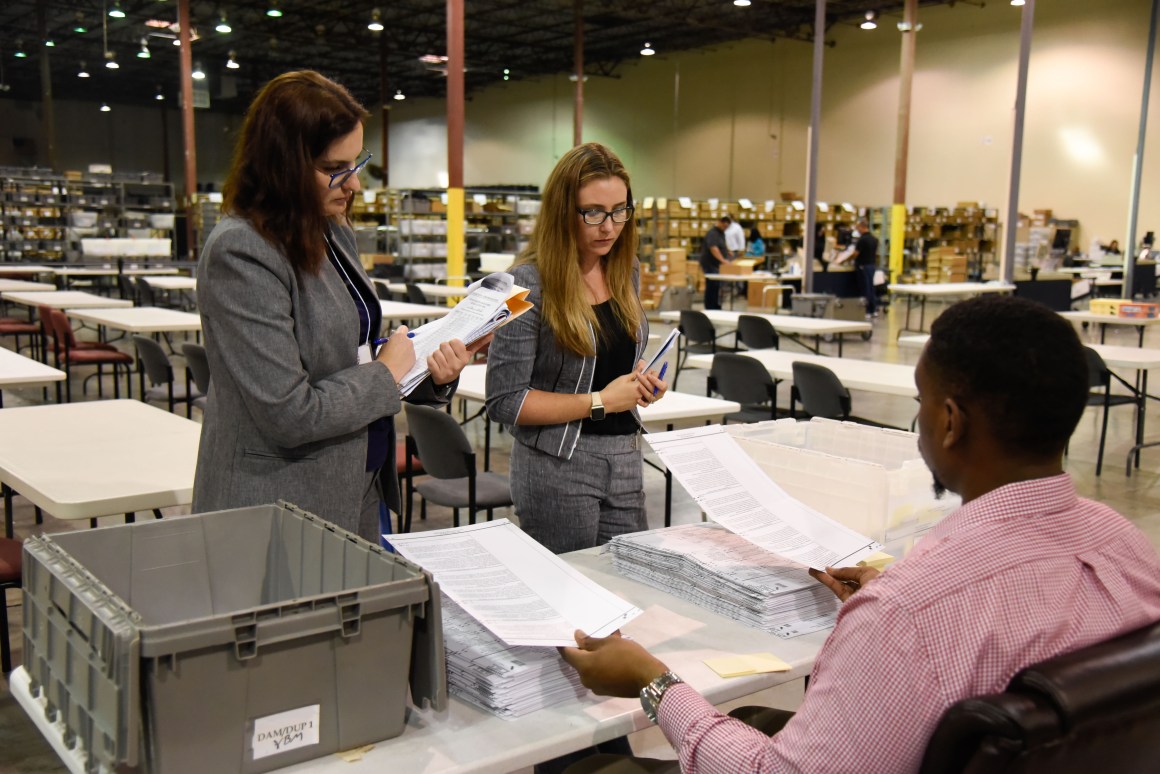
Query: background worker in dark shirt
(713, 254)
(865, 262)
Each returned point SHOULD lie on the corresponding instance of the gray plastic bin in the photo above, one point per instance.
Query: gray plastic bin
(176, 645)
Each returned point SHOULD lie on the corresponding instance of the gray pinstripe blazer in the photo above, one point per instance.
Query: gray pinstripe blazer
(525, 356)
(288, 404)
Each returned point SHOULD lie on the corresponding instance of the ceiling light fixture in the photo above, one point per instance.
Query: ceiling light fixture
(274, 12)
(223, 26)
(105, 107)
(432, 59)
(159, 96)
(111, 60)
(198, 74)
(870, 23)
(115, 12)
(80, 27)
(1017, 2)
(50, 43)
(742, 3)
(144, 52)
(399, 95)
(647, 50)
(83, 72)
(20, 50)
(376, 24)
(232, 62)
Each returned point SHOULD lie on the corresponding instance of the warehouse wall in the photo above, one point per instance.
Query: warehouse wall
(742, 111)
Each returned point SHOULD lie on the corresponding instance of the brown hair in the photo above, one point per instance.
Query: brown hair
(553, 248)
(289, 125)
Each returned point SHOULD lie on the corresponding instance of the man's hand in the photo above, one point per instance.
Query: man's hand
(844, 581)
(612, 666)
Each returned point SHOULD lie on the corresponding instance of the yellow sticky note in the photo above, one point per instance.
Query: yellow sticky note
(355, 754)
(878, 560)
(749, 664)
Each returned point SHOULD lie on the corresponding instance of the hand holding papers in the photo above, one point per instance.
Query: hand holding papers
(494, 301)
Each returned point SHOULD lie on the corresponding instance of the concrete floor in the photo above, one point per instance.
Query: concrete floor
(1136, 497)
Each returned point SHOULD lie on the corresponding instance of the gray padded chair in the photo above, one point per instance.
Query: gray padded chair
(197, 369)
(822, 394)
(756, 332)
(154, 364)
(744, 380)
(450, 461)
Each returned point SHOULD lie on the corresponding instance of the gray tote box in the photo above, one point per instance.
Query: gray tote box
(242, 640)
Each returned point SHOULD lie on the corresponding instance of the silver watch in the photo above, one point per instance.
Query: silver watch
(651, 694)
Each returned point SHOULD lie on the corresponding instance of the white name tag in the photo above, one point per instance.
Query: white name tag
(285, 731)
(364, 354)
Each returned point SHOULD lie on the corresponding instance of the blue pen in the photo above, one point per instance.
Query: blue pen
(664, 367)
(410, 335)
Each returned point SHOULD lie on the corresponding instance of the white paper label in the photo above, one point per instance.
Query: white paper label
(289, 730)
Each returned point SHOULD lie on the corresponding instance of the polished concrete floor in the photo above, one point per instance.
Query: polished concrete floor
(1135, 496)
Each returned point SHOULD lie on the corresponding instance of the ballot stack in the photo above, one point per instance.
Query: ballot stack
(508, 681)
(727, 574)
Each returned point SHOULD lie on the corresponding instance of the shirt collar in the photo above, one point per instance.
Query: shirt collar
(1035, 497)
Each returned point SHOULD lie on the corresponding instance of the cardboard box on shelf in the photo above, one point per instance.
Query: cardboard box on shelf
(739, 266)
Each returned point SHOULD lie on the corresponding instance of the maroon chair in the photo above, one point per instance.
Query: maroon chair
(69, 352)
(10, 570)
(10, 326)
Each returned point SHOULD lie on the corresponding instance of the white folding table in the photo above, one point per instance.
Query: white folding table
(139, 319)
(63, 299)
(791, 326)
(9, 285)
(1104, 320)
(16, 370)
(97, 458)
(393, 311)
(942, 290)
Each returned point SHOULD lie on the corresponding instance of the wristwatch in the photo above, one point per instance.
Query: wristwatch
(597, 412)
(651, 694)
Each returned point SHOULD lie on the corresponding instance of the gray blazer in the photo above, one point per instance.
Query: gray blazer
(525, 356)
(289, 405)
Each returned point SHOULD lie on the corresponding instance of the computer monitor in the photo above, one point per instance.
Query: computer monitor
(1062, 239)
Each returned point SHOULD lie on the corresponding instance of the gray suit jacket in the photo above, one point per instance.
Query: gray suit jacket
(289, 405)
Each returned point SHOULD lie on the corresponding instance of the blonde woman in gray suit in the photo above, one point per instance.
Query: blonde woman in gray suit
(567, 376)
(300, 404)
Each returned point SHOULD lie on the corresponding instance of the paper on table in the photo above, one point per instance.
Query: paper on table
(736, 493)
(748, 664)
(495, 301)
(519, 590)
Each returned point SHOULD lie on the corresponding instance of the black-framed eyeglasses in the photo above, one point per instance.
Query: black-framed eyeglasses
(596, 217)
(338, 179)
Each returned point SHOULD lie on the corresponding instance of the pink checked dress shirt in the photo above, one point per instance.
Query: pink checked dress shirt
(1025, 572)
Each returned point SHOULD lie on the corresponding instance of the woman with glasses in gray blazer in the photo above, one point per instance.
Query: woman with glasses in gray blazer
(566, 377)
(301, 398)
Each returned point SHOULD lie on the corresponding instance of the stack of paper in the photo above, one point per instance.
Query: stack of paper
(723, 572)
(509, 681)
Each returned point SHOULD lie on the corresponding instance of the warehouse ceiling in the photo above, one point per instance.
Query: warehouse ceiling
(515, 39)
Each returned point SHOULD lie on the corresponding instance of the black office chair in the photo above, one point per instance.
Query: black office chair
(1054, 294)
(450, 461)
(128, 290)
(154, 364)
(416, 295)
(822, 394)
(698, 336)
(1093, 709)
(744, 380)
(756, 332)
(197, 370)
(1100, 382)
(384, 292)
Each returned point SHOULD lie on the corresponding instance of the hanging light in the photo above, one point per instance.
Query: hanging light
(159, 96)
(198, 74)
(870, 23)
(83, 72)
(742, 3)
(647, 50)
(507, 74)
(274, 11)
(399, 95)
(111, 60)
(20, 54)
(105, 107)
(50, 43)
(80, 28)
(223, 26)
(115, 12)
(376, 24)
(1017, 2)
(144, 52)
(232, 62)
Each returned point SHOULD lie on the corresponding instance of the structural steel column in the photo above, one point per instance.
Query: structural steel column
(902, 150)
(1008, 266)
(48, 116)
(456, 227)
(812, 164)
(385, 98)
(188, 140)
(1138, 161)
(578, 68)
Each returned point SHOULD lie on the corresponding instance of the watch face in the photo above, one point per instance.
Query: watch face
(598, 413)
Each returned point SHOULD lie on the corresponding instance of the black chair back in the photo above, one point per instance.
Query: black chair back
(821, 392)
(198, 363)
(156, 363)
(145, 294)
(128, 291)
(415, 294)
(697, 328)
(756, 332)
(1054, 294)
(744, 380)
(1091, 709)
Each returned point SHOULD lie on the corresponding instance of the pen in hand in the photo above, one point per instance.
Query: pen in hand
(664, 367)
(410, 335)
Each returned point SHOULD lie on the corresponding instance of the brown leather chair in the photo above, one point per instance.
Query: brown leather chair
(1097, 708)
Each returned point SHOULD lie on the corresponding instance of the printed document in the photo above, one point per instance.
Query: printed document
(490, 303)
(520, 591)
(737, 494)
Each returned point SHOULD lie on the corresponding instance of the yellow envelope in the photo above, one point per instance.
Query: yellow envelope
(749, 664)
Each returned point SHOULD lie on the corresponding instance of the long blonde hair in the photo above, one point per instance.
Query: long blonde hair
(553, 249)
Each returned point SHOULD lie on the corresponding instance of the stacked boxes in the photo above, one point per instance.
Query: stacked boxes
(1120, 307)
(669, 269)
(944, 264)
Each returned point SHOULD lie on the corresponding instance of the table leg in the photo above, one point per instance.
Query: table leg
(8, 526)
(486, 441)
(921, 314)
(669, 492)
(839, 345)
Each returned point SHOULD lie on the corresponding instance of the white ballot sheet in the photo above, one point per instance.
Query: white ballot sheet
(520, 591)
(737, 494)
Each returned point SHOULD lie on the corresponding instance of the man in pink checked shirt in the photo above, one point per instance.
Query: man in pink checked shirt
(1025, 570)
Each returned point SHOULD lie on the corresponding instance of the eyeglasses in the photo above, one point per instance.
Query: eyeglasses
(338, 179)
(596, 217)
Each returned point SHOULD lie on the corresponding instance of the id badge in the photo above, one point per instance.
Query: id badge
(364, 354)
